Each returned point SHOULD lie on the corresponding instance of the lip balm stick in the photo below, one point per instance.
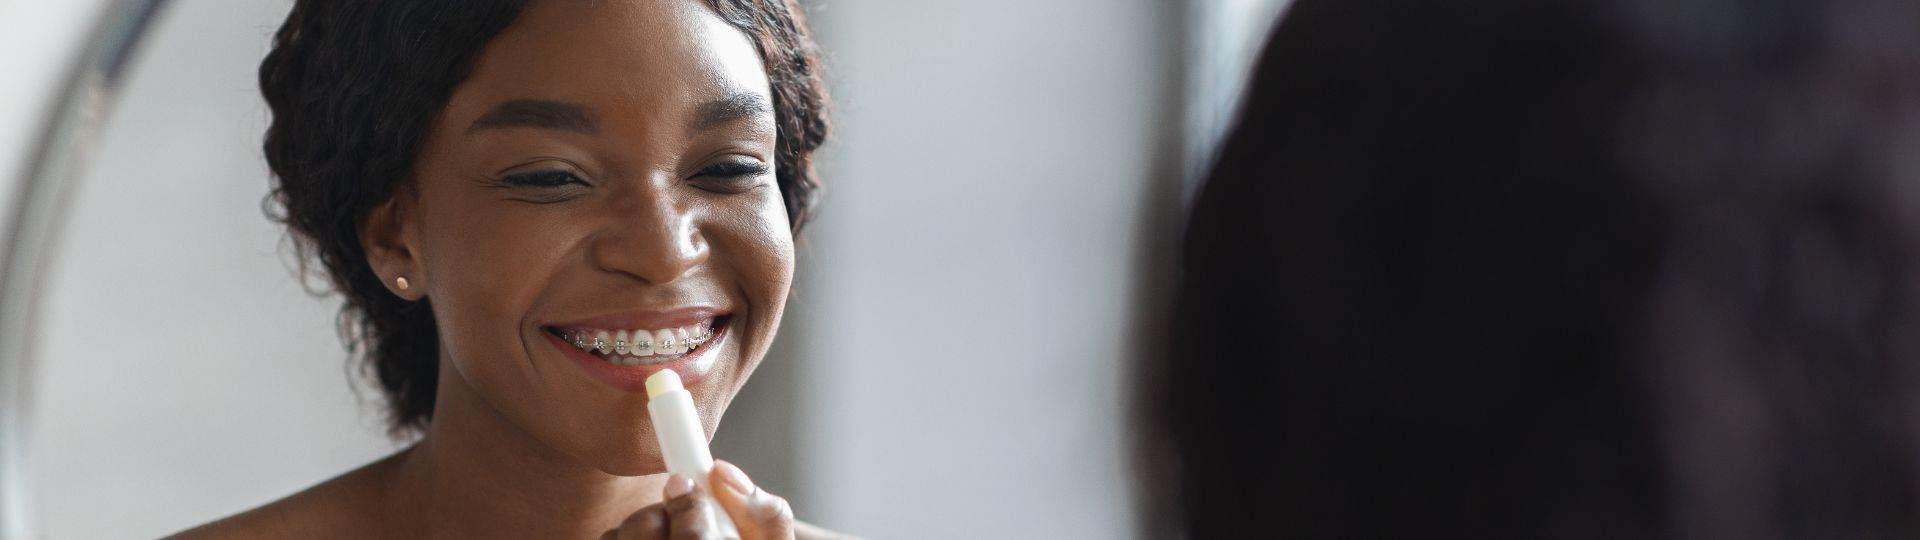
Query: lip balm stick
(683, 444)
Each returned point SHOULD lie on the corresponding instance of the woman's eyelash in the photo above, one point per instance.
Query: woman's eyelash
(558, 178)
(542, 179)
(733, 169)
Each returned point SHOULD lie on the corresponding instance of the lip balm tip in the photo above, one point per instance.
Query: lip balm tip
(664, 381)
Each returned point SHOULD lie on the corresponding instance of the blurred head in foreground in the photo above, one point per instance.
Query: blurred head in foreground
(1607, 268)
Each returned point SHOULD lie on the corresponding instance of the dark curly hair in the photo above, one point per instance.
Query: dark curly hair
(354, 85)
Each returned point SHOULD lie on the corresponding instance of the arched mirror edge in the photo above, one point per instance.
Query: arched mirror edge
(69, 129)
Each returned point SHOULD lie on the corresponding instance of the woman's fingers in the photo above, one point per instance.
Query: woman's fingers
(687, 513)
(759, 515)
(692, 513)
(649, 523)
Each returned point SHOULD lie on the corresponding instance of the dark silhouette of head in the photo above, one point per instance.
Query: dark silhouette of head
(1607, 268)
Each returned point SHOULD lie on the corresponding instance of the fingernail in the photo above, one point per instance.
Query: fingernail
(678, 486)
(734, 477)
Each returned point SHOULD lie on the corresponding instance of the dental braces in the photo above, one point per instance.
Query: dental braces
(622, 347)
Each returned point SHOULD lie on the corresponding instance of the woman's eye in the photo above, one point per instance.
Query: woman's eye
(730, 176)
(542, 179)
(733, 169)
(542, 187)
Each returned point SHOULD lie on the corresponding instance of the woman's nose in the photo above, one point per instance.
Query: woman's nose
(653, 238)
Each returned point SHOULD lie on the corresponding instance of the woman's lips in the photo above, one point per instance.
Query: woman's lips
(672, 318)
(692, 366)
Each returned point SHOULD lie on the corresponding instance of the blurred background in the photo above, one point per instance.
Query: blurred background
(1006, 176)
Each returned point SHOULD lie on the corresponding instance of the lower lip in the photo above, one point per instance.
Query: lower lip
(692, 367)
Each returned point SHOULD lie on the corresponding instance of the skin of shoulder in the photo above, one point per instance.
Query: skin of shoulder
(348, 505)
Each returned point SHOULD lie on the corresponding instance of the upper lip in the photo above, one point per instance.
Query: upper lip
(646, 319)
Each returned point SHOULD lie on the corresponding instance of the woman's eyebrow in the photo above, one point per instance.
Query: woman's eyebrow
(537, 113)
(735, 106)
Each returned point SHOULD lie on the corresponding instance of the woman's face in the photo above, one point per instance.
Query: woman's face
(606, 172)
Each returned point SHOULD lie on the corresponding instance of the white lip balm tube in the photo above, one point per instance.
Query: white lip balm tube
(683, 443)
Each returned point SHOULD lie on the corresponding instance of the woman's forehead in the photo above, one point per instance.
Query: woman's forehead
(663, 61)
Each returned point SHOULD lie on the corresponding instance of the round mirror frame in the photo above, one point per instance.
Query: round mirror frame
(53, 166)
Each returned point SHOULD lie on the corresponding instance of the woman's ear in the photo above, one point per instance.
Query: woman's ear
(388, 236)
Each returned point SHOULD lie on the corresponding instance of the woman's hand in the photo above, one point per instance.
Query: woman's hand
(692, 512)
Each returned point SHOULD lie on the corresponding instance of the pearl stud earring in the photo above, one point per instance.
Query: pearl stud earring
(401, 282)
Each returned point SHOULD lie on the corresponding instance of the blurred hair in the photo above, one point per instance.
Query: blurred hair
(354, 85)
(1606, 268)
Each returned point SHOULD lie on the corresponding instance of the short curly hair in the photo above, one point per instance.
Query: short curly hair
(353, 86)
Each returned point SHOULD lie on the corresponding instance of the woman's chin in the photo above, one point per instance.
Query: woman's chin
(633, 468)
(620, 450)
(631, 461)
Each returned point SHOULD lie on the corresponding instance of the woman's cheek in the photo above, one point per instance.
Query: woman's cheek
(771, 270)
(770, 245)
(492, 260)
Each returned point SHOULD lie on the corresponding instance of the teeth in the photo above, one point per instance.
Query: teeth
(639, 346)
(684, 337)
(664, 342)
(643, 345)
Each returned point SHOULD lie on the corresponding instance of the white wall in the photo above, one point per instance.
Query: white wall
(38, 41)
(184, 374)
(957, 349)
(970, 282)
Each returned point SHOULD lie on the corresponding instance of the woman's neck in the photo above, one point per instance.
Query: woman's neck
(477, 474)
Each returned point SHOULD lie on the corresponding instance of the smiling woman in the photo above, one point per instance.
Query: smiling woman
(529, 208)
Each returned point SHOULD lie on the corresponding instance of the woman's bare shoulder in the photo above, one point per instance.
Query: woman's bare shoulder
(346, 506)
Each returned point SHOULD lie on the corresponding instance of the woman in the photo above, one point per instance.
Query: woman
(1585, 269)
(530, 207)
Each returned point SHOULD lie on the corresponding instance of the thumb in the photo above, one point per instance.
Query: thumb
(758, 514)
